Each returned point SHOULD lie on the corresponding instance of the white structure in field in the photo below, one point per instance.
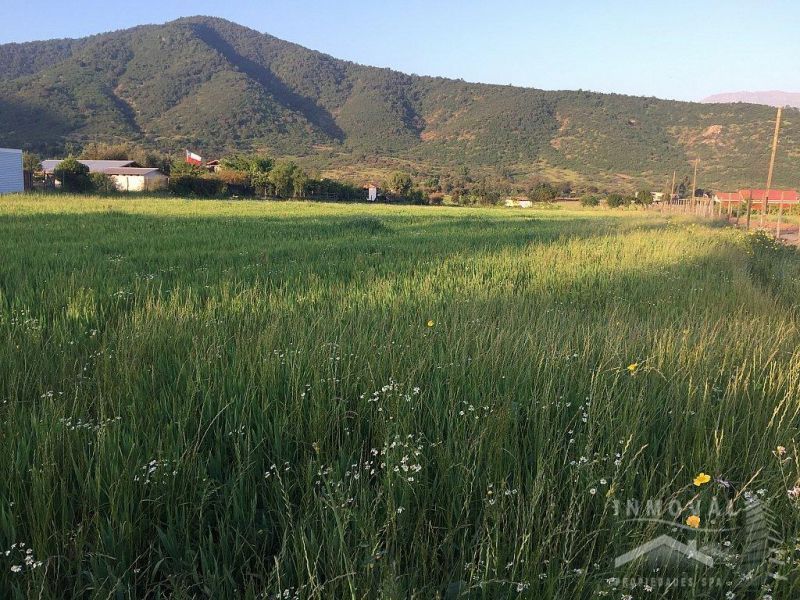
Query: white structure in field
(126, 176)
(372, 193)
(11, 178)
(133, 179)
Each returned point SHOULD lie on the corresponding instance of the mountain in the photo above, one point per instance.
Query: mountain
(770, 98)
(215, 86)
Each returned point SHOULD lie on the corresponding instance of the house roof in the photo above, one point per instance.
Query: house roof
(95, 166)
(776, 195)
(758, 195)
(131, 171)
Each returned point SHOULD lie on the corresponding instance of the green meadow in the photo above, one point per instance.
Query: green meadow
(204, 399)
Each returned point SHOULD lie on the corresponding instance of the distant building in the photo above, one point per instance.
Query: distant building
(657, 196)
(514, 203)
(132, 179)
(372, 192)
(213, 166)
(11, 178)
(126, 174)
(775, 198)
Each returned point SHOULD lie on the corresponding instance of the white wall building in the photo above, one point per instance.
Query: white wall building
(132, 179)
(11, 178)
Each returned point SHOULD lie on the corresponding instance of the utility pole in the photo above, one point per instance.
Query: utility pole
(694, 184)
(772, 162)
(749, 208)
(672, 189)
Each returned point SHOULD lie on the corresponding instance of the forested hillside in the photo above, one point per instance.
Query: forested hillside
(215, 86)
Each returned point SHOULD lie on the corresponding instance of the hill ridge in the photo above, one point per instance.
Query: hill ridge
(228, 88)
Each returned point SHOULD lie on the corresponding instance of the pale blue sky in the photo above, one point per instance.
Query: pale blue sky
(678, 49)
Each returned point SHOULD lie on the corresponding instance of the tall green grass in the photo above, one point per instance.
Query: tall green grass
(235, 399)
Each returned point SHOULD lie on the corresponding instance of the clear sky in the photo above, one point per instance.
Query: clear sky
(677, 49)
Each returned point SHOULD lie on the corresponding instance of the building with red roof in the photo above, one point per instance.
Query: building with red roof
(775, 198)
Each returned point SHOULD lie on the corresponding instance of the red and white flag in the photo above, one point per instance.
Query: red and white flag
(193, 159)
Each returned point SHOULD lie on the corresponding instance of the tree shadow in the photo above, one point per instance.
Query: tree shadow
(314, 113)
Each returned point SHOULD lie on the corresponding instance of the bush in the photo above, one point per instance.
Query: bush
(542, 192)
(616, 200)
(73, 175)
(590, 201)
(195, 185)
(103, 184)
(400, 184)
(644, 197)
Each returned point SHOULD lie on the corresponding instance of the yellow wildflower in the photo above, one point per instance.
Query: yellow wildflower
(780, 450)
(430, 323)
(701, 479)
(633, 367)
(693, 521)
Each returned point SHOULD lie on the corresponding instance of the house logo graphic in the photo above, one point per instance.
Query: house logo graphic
(665, 551)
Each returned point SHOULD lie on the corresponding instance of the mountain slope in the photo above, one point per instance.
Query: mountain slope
(217, 86)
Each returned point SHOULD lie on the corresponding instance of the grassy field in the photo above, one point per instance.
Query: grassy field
(295, 400)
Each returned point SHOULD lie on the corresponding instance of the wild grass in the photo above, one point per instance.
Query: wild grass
(256, 400)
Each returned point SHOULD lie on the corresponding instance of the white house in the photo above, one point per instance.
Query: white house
(126, 176)
(11, 178)
(133, 179)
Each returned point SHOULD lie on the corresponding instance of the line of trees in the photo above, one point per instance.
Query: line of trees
(255, 175)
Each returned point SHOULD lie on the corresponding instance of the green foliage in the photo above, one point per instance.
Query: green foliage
(252, 163)
(102, 184)
(288, 180)
(400, 184)
(31, 162)
(73, 175)
(542, 192)
(180, 167)
(196, 186)
(644, 197)
(617, 200)
(590, 200)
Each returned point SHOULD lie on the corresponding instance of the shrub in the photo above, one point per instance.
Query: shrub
(199, 186)
(103, 184)
(542, 192)
(73, 175)
(400, 184)
(616, 200)
(644, 198)
(590, 200)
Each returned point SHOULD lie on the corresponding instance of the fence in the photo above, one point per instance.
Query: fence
(782, 224)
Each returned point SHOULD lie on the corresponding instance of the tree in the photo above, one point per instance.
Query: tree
(299, 182)
(542, 192)
(616, 200)
(644, 197)
(590, 200)
(400, 184)
(31, 162)
(73, 175)
(287, 179)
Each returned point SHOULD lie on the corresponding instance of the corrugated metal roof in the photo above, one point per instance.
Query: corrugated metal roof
(132, 171)
(95, 166)
(11, 179)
